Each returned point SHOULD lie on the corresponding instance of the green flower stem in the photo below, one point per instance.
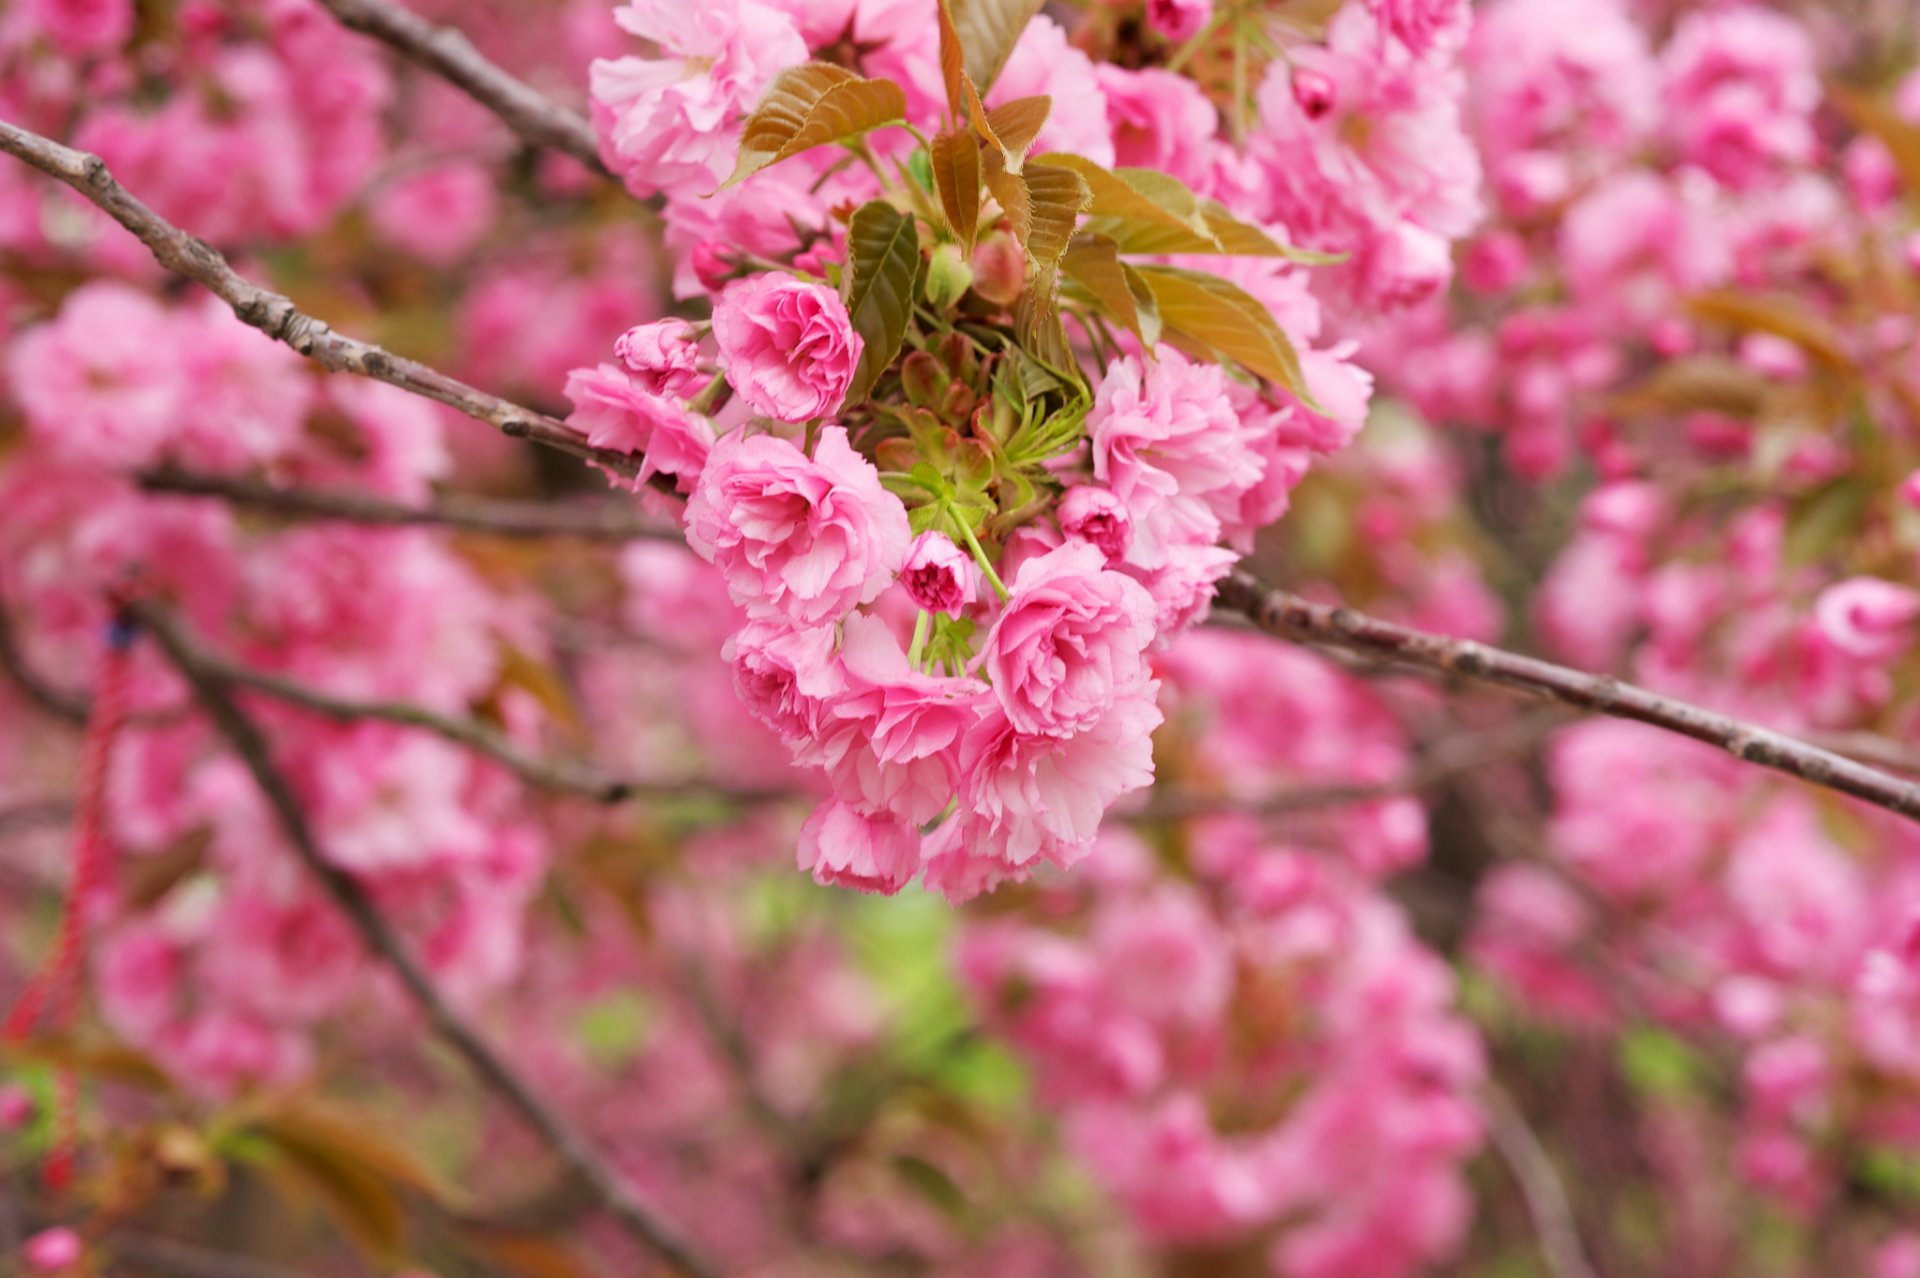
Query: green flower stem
(922, 625)
(979, 555)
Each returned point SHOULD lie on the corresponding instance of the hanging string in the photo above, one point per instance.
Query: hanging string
(53, 995)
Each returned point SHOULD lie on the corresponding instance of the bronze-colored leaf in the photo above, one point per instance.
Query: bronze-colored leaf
(1901, 138)
(1242, 239)
(956, 177)
(1778, 315)
(532, 1255)
(812, 105)
(988, 30)
(1093, 263)
(953, 64)
(1141, 210)
(883, 259)
(91, 1058)
(1010, 189)
(1057, 197)
(1210, 318)
(1712, 383)
(1014, 125)
(331, 1132)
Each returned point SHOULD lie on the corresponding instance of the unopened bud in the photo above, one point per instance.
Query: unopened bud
(948, 277)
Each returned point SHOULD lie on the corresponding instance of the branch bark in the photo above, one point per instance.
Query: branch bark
(277, 316)
(1540, 1185)
(1292, 617)
(569, 1145)
(448, 53)
(581, 780)
(595, 521)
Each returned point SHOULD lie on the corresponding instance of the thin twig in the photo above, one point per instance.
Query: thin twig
(539, 120)
(1438, 764)
(592, 521)
(1290, 616)
(277, 317)
(563, 777)
(566, 1143)
(1540, 1185)
(34, 814)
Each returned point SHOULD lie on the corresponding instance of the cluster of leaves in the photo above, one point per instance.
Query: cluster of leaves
(967, 386)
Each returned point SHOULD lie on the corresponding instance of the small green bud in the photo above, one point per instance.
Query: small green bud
(948, 277)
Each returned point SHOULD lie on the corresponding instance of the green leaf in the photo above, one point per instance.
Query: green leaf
(1093, 262)
(812, 105)
(1210, 318)
(883, 257)
(956, 176)
(1241, 239)
(988, 30)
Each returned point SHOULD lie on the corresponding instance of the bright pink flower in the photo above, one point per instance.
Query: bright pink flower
(845, 848)
(939, 575)
(1093, 514)
(1069, 643)
(1423, 25)
(1159, 120)
(799, 537)
(438, 215)
(790, 349)
(16, 1107)
(672, 122)
(1741, 88)
(1868, 618)
(1169, 443)
(1045, 61)
(663, 356)
(53, 1250)
(892, 743)
(103, 382)
(616, 412)
(788, 677)
(1025, 799)
(81, 27)
(1179, 20)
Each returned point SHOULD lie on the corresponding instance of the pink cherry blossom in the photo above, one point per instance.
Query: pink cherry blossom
(939, 575)
(789, 348)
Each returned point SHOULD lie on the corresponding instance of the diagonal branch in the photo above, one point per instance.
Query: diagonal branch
(565, 778)
(1540, 1185)
(591, 521)
(447, 53)
(1290, 616)
(566, 1142)
(277, 316)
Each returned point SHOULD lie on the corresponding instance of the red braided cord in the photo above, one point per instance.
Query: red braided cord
(56, 988)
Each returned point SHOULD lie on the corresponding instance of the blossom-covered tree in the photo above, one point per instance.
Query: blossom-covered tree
(925, 636)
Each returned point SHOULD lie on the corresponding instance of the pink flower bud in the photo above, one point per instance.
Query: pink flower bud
(713, 266)
(1314, 92)
(53, 1250)
(1495, 263)
(1093, 514)
(1179, 19)
(939, 575)
(1911, 248)
(16, 1107)
(663, 356)
(1867, 617)
(1909, 489)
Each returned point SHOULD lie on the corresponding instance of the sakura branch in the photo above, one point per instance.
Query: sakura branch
(1290, 616)
(1540, 1185)
(448, 53)
(215, 691)
(596, 521)
(579, 780)
(277, 316)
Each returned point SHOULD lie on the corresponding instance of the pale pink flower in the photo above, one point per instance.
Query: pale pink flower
(845, 848)
(616, 412)
(16, 1107)
(1424, 26)
(663, 356)
(1741, 87)
(788, 677)
(803, 538)
(103, 383)
(789, 347)
(672, 122)
(939, 575)
(1045, 61)
(1160, 120)
(1868, 618)
(1069, 643)
(81, 27)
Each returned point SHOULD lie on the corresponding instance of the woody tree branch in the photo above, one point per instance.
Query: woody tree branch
(538, 120)
(277, 316)
(1290, 616)
(588, 521)
(567, 1144)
